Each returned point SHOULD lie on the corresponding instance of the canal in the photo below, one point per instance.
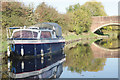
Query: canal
(82, 59)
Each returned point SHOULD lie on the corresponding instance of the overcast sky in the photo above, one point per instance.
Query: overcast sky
(110, 6)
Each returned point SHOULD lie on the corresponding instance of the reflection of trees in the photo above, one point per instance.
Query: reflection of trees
(97, 64)
(4, 68)
(110, 43)
(80, 58)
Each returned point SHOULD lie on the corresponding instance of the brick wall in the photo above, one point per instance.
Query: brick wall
(99, 21)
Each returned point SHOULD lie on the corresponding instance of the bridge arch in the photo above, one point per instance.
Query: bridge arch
(108, 24)
(103, 48)
(101, 21)
(101, 52)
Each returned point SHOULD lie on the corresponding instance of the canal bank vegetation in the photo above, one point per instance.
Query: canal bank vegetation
(75, 22)
(82, 36)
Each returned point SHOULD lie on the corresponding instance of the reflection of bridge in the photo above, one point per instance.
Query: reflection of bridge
(101, 21)
(100, 52)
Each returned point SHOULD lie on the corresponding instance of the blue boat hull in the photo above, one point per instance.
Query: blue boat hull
(35, 49)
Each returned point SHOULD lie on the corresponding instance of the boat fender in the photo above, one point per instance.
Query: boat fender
(13, 70)
(42, 52)
(42, 61)
(22, 51)
(13, 47)
(8, 65)
(8, 52)
(22, 65)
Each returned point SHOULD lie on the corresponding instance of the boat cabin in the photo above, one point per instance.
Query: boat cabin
(38, 31)
(33, 34)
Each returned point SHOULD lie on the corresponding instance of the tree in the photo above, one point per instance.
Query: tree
(73, 8)
(44, 13)
(80, 19)
(81, 15)
(95, 8)
(16, 14)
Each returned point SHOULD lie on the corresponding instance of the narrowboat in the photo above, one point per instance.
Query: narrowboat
(37, 67)
(39, 39)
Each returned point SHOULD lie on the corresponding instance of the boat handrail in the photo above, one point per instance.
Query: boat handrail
(14, 27)
(22, 39)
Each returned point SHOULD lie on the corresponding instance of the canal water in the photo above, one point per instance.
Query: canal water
(83, 59)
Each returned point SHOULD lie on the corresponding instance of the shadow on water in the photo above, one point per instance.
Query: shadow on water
(49, 66)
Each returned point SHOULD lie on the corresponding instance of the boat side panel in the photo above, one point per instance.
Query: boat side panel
(35, 49)
(28, 49)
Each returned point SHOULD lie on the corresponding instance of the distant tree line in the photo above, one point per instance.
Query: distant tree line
(77, 18)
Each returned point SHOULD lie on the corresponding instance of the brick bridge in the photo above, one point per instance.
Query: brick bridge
(100, 52)
(101, 21)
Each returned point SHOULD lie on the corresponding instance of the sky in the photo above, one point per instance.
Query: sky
(110, 6)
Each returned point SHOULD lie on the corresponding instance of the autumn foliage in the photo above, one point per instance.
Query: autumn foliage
(77, 18)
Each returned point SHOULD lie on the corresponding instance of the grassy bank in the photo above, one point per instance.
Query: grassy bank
(3, 41)
(80, 41)
(0, 39)
(3, 47)
(73, 36)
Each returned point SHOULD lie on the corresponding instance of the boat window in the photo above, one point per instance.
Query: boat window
(45, 34)
(25, 34)
(16, 34)
(35, 34)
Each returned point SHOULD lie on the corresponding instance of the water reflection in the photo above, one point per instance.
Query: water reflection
(49, 66)
(107, 48)
(92, 59)
(112, 43)
(82, 59)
